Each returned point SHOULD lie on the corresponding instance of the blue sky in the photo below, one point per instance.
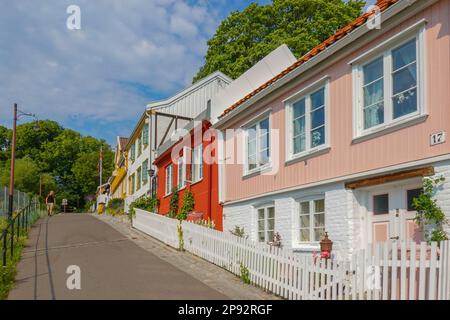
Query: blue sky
(97, 80)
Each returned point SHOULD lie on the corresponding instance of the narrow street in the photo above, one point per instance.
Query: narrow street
(112, 266)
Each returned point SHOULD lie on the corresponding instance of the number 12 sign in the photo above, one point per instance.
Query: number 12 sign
(438, 138)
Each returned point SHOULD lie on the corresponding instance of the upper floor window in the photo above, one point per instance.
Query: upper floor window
(197, 163)
(169, 178)
(257, 145)
(389, 86)
(307, 121)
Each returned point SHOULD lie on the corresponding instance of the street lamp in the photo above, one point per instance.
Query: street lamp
(17, 115)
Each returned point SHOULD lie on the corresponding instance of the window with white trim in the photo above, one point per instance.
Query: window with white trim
(169, 178)
(257, 145)
(266, 224)
(307, 117)
(389, 86)
(312, 220)
(197, 163)
(181, 173)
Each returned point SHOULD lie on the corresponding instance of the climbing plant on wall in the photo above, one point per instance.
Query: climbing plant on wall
(429, 215)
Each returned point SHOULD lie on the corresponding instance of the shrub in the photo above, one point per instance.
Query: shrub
(144, 203)
(428, 212)
(173, 207)
(115, 207)
(187, 206)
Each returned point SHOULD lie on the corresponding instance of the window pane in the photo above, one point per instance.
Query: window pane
(299, 126)
(381, 204)
(318, 234)
(304, 221)
(405, 103)
(317, 137)
(299, 108)
(404, 55)
(304, 207)
(264, 126)
(264, 141)
(261, 236)
(318, 118)
(271, 212)
(410, 195)
(299, 144)
(260, 214)
(264, 157)
(261, 225)
(373, 70)
(270, 224)
(251, 132)
(405, 79)
(373, 93)
(373, 115)
(319, 205)
(252, 147)
(319, 220)
(270, 235)
(317, 99)
(304, 235)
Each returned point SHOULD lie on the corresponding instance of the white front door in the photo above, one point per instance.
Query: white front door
(390, 213)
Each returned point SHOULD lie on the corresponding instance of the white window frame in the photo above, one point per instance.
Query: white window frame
(305, 93)
(197, 164)
(310, 243)
(266, 210)
(416, 31)
(256, 121)
(169, 182)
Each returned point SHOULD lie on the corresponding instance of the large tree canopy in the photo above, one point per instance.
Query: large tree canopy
(246, 37)
(59, 159)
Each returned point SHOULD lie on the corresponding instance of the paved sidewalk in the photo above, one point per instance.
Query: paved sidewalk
(208, 273)
(112, 266)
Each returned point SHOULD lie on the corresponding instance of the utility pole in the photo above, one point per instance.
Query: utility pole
(13, 163)
(16, 115)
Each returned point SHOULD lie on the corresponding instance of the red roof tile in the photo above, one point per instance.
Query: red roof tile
(382, 4)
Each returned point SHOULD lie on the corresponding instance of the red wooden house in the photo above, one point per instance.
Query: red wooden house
(190, 163)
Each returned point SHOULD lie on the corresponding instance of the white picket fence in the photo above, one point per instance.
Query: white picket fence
(386, 271)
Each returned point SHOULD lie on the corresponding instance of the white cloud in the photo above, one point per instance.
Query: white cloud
(154, 46)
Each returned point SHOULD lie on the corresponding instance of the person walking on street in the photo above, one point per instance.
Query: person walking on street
(50, 202)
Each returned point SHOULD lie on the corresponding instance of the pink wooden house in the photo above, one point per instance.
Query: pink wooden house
(341, 140)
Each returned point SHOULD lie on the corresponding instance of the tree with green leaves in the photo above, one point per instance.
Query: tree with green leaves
(59, 159)
(245, 37)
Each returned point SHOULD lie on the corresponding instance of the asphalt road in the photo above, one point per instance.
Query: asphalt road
(111, 265)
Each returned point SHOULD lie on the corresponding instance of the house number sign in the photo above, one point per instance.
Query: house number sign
(438, 138)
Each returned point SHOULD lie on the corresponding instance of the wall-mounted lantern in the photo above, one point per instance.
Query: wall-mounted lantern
(326, 246)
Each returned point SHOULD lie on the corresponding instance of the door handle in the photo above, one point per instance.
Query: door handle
(394, 238)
